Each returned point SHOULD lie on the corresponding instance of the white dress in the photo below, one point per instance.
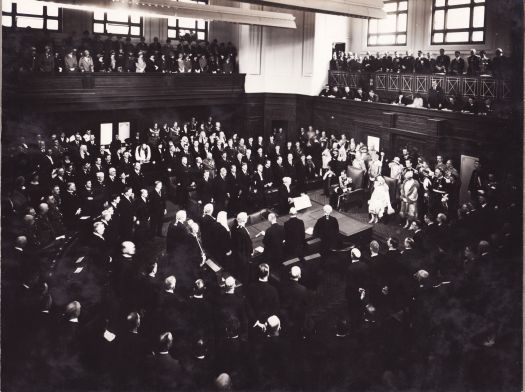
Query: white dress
(380, 200)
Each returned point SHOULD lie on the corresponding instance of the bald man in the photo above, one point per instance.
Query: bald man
(294, 300)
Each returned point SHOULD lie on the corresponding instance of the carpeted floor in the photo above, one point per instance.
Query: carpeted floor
(328, 299)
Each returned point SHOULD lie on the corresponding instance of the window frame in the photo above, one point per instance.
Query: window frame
(45, 17)
(196, 29)
(129, 24)
(470, 29)
(396, 33)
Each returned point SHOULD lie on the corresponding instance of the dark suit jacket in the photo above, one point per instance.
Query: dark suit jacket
(177, 237)
(263, 301)
(164, 373)
(328, 231)
(157, 203)
(273, 244)
(242, 244)
(294, 236)
(220, 190)
(205, 191)
(294, 301)
(284, 206)
(231, 305)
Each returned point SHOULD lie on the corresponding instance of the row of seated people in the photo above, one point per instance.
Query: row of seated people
(474, 65)
(436, 100)
(165, 323)
(183, 55)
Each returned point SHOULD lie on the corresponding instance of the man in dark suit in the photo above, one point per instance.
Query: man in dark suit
(157, 206)
(294, 302)
(285, 195)
(327, 229)
(70, 206)
(263, 298)
(273, 242)
(136, 178)
(99, 249)
(457, 65)
(178, 235)
(357, 277)
(231, 304)
(204, 191)
(127, 215)
(220, 191)
(129, 352)
(242, 245)
(294, 235)
(208, 230)
(142, 213)
(163, 371)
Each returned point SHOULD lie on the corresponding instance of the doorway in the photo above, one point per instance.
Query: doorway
(465, 172)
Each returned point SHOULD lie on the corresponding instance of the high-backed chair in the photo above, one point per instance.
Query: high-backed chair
(357, 194)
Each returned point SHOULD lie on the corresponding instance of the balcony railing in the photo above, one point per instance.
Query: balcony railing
(479, 87)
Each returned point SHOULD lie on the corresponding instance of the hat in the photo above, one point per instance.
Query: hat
(422, 274)
(309, 157)
(396, 159)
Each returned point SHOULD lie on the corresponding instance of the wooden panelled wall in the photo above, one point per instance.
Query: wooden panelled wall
(427, 132)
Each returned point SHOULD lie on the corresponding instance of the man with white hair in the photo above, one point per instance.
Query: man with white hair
(294, 235)
(273, 242)
(294, 302)
(286, 195)
(242, 246)
(327, 229)
(178, 234)
(208, 228)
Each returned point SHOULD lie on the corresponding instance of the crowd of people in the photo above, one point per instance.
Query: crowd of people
(91, 53)
(436, 99)
(441, 313)
(474, 65)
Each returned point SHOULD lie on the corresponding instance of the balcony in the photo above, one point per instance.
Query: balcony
(113, 91)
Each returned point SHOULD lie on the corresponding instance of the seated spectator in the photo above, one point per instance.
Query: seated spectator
(470, 106)
(70, 62)
(418, 102)
(86, 63)
(372, 96)
(402, 99)
(326, 91)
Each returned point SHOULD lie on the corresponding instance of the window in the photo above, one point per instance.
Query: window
(458, 21)
(117, 23)
(31, 14)
(178, 27)
(392, 30)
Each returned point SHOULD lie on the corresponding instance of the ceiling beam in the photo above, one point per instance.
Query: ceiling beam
(169, 8)
(353, 8)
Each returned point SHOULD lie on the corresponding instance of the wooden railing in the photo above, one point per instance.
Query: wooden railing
(480, 87)
(113, 90)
